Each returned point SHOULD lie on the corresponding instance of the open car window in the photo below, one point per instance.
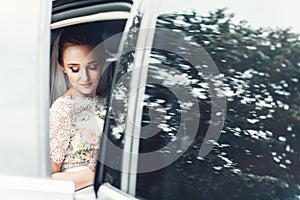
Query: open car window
(105, 21)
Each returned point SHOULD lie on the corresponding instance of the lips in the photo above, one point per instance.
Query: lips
(86, 85)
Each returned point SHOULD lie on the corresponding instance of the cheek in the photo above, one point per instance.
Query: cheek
(96, 75)
(72, 77)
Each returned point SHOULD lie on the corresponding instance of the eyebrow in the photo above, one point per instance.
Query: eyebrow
(76, 64)
(94, 61)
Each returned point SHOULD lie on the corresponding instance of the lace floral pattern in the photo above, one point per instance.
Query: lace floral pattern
(76, 127)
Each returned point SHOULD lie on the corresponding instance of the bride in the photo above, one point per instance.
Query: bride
(76, 116)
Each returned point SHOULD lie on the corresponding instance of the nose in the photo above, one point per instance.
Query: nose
(85, 74)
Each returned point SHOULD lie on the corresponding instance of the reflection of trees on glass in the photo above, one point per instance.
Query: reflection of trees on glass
(126, 59)
(172, 77)
(257, 155)
(118, 104)
(122, 79)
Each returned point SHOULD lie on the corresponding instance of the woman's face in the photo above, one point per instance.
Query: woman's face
(83, 69)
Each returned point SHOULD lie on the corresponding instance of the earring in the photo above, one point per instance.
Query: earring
(65, 72)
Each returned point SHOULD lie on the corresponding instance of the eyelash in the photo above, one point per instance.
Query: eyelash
(92, 67)
(74, 70)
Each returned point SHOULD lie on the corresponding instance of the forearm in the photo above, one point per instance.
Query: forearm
(81, 178)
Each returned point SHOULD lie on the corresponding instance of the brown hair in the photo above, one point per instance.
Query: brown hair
(79, 35)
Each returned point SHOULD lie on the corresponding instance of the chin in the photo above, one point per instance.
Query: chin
(88, 94)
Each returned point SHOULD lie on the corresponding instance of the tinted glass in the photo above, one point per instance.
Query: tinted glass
(216, 80)
(108, 169)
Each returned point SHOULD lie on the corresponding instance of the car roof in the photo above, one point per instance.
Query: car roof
(66, 9)
(70, 3)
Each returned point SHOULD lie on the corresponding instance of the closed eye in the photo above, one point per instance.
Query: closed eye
(74, 69)
(94, 65)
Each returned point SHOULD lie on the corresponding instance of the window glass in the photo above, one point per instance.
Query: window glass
(221, 109)
(113, 142)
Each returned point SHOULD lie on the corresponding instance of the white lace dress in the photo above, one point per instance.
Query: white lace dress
(76, 127)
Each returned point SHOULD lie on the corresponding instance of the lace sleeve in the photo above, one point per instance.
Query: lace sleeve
(59, 128)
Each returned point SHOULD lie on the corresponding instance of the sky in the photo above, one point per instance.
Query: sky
(259, 13)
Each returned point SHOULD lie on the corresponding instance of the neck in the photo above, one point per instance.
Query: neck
(75, 94)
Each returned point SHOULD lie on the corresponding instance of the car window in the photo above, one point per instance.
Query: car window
(220, 113)
(106, 28)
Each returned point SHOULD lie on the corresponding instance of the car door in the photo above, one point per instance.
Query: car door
(204, 104)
